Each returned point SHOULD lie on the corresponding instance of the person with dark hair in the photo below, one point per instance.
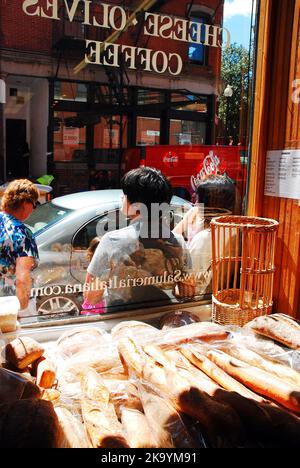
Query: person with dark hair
(143, 262)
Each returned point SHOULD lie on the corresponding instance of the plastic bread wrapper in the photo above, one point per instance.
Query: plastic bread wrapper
(265, 347)
(79, 340)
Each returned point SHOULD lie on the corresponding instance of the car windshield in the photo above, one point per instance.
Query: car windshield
(45, 215)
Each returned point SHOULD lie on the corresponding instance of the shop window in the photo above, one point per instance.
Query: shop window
(108, 133)
(67, 91)
(69, 140)
(148, 131)
(198, 52)
(189, 102)
(147, 96)
(186, 132)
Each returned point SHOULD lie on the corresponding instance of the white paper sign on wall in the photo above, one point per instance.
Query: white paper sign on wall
(283, 174)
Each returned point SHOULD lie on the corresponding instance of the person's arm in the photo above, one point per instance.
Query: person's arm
(93, 295)
(98, 272)
(24, 266)
(192, 220)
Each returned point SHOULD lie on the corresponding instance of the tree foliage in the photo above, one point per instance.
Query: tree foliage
(236, 72)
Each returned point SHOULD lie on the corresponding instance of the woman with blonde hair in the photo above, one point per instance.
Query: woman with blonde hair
(18, 249)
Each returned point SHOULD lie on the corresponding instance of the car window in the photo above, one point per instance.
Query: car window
(82, 239)
(46, 215)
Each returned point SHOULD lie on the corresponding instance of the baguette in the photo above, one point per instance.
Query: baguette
(165, 421)
(22, 352)
(73, 434)
(203, 331)
(137, 430)
(254, 359)
(102, 425)
(218, 375)
(187, 394)
(287, 319)
(123, 394)
(258, 380)
(277, 329)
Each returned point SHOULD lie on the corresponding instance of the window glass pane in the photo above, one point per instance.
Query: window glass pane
(65, 91)
(69, 138)
(148, 131)
(184, 132)
(191, 103)
(197, 51)
(146, 96)
(173, 92)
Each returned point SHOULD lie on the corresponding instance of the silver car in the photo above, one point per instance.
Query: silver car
(63, 229)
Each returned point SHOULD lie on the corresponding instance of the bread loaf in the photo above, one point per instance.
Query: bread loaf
(45, 373)
(203, 331)
(123, 394)
(102, 425)
(134, 329)
(22, 352)
(258, 380)
(72, 429)
(276, 328)
(137, 430)
(79, 339)
(217, 374)
(254, 359)
(165, 421)
(8, 321)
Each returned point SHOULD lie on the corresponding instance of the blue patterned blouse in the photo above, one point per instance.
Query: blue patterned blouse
(16, 240)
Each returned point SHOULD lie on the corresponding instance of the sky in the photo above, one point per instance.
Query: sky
(237, 18)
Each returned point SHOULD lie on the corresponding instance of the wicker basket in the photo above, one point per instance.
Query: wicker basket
(243, 250)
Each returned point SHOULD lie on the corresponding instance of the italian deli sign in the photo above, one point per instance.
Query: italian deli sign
(118, 19)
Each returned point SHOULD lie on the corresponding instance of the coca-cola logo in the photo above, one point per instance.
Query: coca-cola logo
(170, 159)
(210, 167)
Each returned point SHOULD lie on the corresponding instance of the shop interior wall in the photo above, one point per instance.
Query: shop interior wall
(277, 127)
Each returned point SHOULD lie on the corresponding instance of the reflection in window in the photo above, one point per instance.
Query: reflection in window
(189, 102)
(197, 52)
(146, 96)
(69, 139)
(148, 131)
(66, 91)
(186, 132)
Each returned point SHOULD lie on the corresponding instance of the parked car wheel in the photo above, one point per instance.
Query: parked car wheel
(58, 306)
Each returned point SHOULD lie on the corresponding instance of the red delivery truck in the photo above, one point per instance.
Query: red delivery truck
(185, 166)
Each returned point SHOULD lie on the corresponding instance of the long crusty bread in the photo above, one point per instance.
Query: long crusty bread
(203, 331)
(137, 430)
(72, 429)
(258, 380)
(287, 319)
(217, 374)
(164, 420)
(188, 394)
(254, 359)
(102, 425)
(277, 329)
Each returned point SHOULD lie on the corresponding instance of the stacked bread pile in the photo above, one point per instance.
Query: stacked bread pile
(194, 386)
